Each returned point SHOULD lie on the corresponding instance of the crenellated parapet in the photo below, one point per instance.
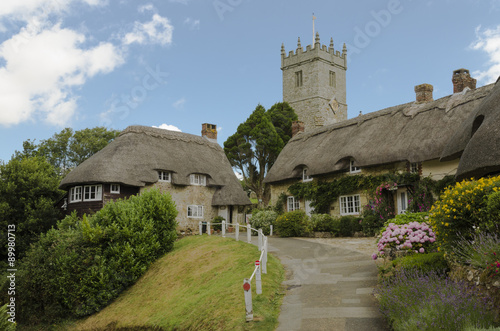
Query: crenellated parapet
(314, 52)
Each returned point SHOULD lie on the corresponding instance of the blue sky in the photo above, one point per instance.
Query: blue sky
(115, 63)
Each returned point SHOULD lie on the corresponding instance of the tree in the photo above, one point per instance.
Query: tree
(257, 143)
(28, 193)
(67, 149)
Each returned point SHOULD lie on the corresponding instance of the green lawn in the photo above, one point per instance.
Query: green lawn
(198, 286)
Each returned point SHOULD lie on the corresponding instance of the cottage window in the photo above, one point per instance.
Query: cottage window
(115, 188)
(197, 179)
(75, 194)
(402, 201)
(92, 193)
(353, 169)
(305, 176)
(414, 168)
(349, 205)
(164, 176)
(293, 204)
(195, 211)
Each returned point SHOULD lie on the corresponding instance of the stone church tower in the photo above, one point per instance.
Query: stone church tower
(314, 83)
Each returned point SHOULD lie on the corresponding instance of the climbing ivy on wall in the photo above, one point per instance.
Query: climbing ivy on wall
(322, 193)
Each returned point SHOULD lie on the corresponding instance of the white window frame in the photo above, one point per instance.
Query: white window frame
(116, 189)
(414, 168)
(402, 200)
(164, 176)
(198, 179)
(95, 190)
(75, 194)
(350, 204)
(352, 168)
(305, 176)
(195, 211)
(292, 203)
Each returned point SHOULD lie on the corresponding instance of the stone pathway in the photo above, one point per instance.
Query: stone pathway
(329, 284)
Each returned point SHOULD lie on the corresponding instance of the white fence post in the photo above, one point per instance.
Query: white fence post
(208, 229)
(258, 280)
(249, 234)
(237, 234)
(271, 231)
(264, 257)
(259, 241)
(201, 229)
(248, 299)
(223, 229)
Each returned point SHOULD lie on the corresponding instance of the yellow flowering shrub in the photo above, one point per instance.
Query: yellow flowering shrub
(463, 209)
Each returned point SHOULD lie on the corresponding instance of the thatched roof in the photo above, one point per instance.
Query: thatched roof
(477, 140)
(412, 132)
(136, 155)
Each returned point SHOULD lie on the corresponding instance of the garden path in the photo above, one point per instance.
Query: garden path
(329, 284)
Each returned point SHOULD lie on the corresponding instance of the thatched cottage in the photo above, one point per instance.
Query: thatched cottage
(193, 169)
(477, 140)
(409, 137)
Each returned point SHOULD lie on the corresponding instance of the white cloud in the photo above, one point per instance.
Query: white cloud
(179, 104)
(168, 127)
(26, 9)
(238, 175)
(192, 23)
(488, 40)
(184, 2)
(147, 7)
(157, 31)
(41, 70)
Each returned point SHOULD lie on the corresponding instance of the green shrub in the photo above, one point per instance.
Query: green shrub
(493, 207)
(263, 219)
(324, 223)
(425, 263)
(78, 268)
(349, 225)
(5, 324)
(292, 224)
(462, 210)
(371, 223)
(217, 219)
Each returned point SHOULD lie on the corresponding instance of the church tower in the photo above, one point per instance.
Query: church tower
(314, 83)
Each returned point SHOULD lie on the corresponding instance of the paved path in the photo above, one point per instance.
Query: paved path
(328, 287)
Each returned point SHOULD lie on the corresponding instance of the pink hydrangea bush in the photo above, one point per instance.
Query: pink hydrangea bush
(412, 237)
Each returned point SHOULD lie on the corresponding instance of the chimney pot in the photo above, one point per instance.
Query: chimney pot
(297, 126)
(209, 131)
(461, 79)
(424, 93)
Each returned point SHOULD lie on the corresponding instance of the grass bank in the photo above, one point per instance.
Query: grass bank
(198, 286)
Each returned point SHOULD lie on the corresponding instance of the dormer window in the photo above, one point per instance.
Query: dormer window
(164, 176)
(197, 179)
(305, 176)
(353, 169)
(414, 168)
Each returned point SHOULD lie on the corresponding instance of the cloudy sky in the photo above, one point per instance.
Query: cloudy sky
(179, 63)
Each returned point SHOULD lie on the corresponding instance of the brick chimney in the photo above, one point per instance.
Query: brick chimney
(424, 93)
(297, 126)
(461, 79)
(209, 131)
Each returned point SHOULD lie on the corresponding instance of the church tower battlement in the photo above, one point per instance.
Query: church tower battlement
(314, 83)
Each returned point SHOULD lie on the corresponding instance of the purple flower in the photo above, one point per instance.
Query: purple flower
(421, 250)
(374, 256)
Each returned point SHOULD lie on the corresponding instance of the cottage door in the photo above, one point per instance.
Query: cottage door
(309, 209)
(402, 200)
(223, 212)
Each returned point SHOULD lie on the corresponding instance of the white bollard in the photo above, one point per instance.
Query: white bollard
(223, 229)
(258, 280)
(237, 234)
(201, 228)
(249, 234)
(259, 241)
(264, 257)
(248, 299)
(271, 231)
(208, 229)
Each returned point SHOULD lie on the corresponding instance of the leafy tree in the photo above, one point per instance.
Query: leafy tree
(257, 143)
(28, 192)
(67, 149)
